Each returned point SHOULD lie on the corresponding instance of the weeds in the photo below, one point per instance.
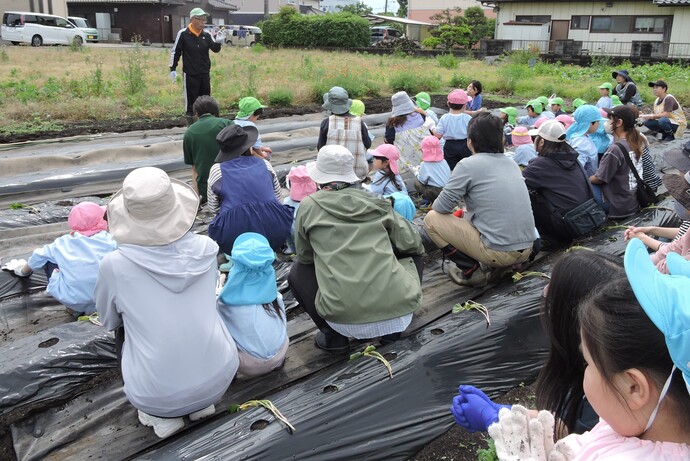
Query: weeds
(133, 67)
(280, 98)
(267, 404)
(258, 48)
(447, 61)
(413, 82)
(488, 453)
(98, 87)
(250, 89)
(370, 351)
(4, 57)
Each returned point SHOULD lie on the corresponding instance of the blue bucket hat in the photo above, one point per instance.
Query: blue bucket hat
(403, 204)
(665, 299)
(252, 279)
(584, 116)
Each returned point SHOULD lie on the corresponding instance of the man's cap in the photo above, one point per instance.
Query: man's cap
(198, 12)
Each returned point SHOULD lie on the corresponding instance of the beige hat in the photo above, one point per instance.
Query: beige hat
(334, 163)
(151, 209)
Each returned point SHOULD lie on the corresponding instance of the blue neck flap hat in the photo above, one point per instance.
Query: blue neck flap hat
(252, 279)
(403, 205)
(584, 116)
(665, 299)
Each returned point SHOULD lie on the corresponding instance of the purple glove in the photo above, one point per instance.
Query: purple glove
(473, 410)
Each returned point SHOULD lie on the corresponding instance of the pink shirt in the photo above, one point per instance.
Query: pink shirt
(603, 443)
(682, 247)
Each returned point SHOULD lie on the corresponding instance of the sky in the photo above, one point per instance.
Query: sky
(378, 5)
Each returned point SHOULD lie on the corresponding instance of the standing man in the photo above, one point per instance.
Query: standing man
(668, 117)
(199, 143)
(193, 43)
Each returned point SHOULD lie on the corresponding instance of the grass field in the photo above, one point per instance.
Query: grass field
(47, 87)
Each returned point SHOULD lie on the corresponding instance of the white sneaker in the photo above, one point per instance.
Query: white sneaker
(203, 413)
(163, 427)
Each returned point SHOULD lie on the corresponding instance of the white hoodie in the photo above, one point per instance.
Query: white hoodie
(178, 356)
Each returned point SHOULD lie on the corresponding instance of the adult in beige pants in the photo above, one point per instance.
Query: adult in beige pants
(497, 228)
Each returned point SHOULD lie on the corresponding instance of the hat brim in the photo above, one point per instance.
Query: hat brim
(158, 230)
(322, 177)
(336, 108)
(679, 189)
(252, 136)
(644, 280)
(678, 159)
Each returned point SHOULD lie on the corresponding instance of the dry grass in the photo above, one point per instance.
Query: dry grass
(57, 84)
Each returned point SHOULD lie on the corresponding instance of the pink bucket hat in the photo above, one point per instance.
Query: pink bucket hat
(87, 219)
(391, 153)
(566, 120)
(301, 184)
(520, 136)
(458, 97)
(431, 149)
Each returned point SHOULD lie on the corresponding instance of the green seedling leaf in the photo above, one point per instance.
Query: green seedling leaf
(472, 305)
(17, 206)
(268, 405)
(578, 247)
(520, 275)
(234, 408)
(370, 348)
(355, 356)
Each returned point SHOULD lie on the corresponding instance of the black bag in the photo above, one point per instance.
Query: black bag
(585, 218)
(645, 194)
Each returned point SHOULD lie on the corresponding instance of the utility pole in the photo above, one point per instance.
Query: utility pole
(265, 9)
(385, 8)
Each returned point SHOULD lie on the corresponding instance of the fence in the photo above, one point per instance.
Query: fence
(634, 49)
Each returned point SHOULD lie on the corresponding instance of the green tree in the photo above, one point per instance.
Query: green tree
(359, 8)
(453, 28)
(402, 8)
(479, 25)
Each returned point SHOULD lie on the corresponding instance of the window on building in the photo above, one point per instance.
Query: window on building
(539, 19)
(651, 23)
(579, 22)
(630, 24)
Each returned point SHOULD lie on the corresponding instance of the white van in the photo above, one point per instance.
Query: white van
(39, 29)
(236, 35)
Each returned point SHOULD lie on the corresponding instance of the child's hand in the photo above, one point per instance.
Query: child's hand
(635, 232)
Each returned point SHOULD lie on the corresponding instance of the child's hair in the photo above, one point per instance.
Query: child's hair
(388, 174)
(574, 276)
(550, 148)
(477, 86)
(273, 309)
(455, 106)
(619, 336)
(258, 112)
(486, 133)
(205, 104)
(396, 121)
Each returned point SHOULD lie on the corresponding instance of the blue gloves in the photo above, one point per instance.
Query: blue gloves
(473, 410)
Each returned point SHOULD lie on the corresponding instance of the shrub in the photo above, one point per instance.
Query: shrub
(432, 42)
(459, 81)
(342, 30)
(258, 48)
(280, 98)
(414, 83)
(357, 85)
(447, 61)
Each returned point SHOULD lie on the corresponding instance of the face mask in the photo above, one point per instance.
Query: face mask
(664, 390)
(608, 127)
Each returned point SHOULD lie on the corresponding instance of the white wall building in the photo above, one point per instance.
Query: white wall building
(422, 10)
(331, 6)
(636, 28)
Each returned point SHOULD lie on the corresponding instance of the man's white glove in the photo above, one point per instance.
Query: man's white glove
(220, 37)
(173, 76)
(519, 438)
(16, 266)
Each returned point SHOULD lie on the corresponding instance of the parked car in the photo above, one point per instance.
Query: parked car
(237, 35)
(39, 29)
(380, 33)
(83, 23)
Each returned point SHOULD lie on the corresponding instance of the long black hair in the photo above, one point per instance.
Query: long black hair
(273, 308)
(573, 278)
(387, 175)
(549, 148)
(619, 336)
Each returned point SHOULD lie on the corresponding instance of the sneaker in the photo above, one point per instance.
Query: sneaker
(668, 137)
(163, 427)
(203, 413)
(288, 250)
(330, 343)
(477, 279)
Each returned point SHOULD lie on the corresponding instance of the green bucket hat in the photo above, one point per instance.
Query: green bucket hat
(247, 107)
(543, 100)
(512, 114)
(606, 86)
(558, 101)
(616, 101)
(423, 100)
(196, 12)
(577, 102)
(537, 105)
(357, 108)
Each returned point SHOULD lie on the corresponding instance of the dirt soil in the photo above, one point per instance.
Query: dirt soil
(373, 106)
(459, 445)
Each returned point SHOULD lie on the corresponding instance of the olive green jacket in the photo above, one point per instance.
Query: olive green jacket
(353, 237)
